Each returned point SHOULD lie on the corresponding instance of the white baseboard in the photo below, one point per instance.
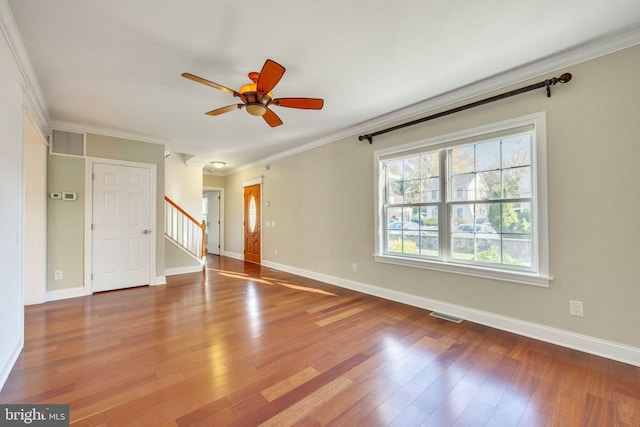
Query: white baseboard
(610, 350)
(233, 255)
(160, 280)
(79, 291)
(183, 270)
(8, 360)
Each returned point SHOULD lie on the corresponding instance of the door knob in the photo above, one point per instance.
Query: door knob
(146, 231)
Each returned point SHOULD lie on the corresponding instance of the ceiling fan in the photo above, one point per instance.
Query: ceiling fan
(257, 96)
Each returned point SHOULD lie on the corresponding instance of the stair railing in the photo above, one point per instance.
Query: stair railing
(184, 229)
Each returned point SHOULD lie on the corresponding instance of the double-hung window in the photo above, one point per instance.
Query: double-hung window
(473, 202)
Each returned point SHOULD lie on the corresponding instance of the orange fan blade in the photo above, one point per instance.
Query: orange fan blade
(272, 118)
(304, 103)
(208, 83)
(224, 109)
(269, 77)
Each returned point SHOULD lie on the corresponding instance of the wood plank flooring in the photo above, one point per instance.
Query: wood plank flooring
(245, 345)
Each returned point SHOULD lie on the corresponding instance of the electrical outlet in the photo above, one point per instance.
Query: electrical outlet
(576, 309)
(57, 275)
(276, 252)
(354, 267)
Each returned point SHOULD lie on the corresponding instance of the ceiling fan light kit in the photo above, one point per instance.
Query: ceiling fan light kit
(257, 96)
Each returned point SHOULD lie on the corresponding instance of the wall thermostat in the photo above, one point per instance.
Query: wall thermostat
(55, 196)
(69, 196)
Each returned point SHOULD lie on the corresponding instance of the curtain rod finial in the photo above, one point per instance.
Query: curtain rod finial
(566, 77)
(367, 137)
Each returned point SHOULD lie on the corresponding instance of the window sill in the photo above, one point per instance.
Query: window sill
(475, 271)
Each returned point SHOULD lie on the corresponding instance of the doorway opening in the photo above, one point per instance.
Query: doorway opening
(213, 215)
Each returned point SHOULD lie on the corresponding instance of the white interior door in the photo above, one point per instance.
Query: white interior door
(213, 222)
(121, 226)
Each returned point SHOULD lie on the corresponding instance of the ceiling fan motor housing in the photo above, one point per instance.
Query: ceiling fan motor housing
(255, 106)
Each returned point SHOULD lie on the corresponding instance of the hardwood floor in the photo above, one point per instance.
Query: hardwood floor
(244, 345)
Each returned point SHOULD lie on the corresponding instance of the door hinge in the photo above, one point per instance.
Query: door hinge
(91, 227)
(91, 276)
(93, 176)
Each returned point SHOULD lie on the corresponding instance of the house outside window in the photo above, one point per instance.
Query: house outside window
(472, 202)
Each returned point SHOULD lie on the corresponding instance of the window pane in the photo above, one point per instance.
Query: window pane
(493, 214)
(394, 230)
(253, 214)
(484, 220)
(394, 168)
(431, 190)
(462, 160)
(395, 194)
(516, 218)
(516, 151)
(517, 182)
(394, 215)
(463, 187)
(430, 165)
(488, 185)
(517, 250)
(395, 184)
(488, 248)
(463, 217)
(488, 156)
(429, 244)
(462, 242)
(412, 192)
(412, 167)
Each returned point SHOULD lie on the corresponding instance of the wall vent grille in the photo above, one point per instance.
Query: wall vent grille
(69, 143)
(445, 317)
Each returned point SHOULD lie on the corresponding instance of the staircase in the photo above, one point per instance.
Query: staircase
(184, 230)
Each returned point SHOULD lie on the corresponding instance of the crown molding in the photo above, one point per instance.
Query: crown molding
(34, 99)
(80, 128)
(553, 63)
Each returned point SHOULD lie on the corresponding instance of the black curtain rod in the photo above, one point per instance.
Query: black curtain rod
(546, 84)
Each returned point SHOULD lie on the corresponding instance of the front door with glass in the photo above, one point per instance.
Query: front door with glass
(252, 223)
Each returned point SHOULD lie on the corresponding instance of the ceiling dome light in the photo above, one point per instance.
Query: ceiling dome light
(217, 164)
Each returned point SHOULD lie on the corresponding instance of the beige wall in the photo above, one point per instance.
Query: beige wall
(183, 184)
(35, 214)
(322, 202)
(213, 181)
(65, 223)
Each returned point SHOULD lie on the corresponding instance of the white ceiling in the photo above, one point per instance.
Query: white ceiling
(116, 64)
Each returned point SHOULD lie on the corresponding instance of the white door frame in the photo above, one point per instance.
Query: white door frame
(213, 221)
(221, 190)
(88, 217)
(36, 148)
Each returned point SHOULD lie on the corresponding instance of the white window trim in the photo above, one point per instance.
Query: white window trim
(539, 278)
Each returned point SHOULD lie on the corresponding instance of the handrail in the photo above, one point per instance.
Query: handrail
(184, 233)
(185, 213)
